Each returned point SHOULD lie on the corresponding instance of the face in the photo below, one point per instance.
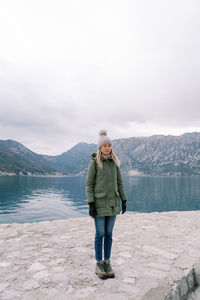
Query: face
(106, 149)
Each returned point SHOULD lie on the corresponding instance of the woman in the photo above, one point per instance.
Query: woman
(104, 188)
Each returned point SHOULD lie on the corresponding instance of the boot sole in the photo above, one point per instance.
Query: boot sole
(103, 277)
(111, 276)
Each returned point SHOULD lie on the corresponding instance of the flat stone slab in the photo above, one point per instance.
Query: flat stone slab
(195, 295)
(55, 260)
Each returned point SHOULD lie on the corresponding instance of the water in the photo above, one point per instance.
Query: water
(37, 198)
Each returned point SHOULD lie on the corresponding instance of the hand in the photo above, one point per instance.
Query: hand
(92, 210)
(123, 206)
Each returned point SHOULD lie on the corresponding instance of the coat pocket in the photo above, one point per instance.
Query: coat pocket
(99, 195)
(100, 200)
(117, 193)
(117, 198)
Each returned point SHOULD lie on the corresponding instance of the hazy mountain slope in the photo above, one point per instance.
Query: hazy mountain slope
(16, 158)
(157, 154)
(73, 161)
(161, 154)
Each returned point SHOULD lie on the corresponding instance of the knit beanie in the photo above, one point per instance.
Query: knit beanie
(103, 138)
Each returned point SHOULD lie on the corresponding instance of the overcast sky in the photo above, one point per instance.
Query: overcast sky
(69, 68)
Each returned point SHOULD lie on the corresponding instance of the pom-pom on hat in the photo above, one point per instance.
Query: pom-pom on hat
(103, 138)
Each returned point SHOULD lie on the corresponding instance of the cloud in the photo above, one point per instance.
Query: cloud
(70, 69)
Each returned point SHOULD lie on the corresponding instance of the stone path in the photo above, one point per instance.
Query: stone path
(195, 295)
(55, 260)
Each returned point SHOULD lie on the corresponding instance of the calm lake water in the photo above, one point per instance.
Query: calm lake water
(37, 198)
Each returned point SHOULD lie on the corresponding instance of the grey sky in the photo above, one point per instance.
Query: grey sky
(70, 68)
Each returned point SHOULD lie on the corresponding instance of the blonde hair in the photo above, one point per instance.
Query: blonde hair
(113, 155)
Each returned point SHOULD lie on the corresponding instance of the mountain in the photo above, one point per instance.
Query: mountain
(158, 154)
(73, 161)
(17, 159)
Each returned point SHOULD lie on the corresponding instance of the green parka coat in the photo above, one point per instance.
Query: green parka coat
(105, 186)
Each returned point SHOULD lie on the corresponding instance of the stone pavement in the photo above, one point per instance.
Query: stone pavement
(55, 260)
(195, 295)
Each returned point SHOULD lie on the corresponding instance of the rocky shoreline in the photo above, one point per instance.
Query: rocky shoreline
(153, 254)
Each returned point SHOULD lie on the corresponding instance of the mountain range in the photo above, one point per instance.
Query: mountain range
(157, 155)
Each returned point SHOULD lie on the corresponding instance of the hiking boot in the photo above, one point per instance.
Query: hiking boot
(108, 269)
(100, 270)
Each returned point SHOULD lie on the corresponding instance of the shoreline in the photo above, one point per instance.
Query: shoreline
(48, 259)
(85, 174)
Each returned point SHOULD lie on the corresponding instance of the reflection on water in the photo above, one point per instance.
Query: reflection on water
(160, 193)
(29, 198)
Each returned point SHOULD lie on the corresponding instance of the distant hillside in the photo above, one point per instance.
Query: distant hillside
(75, 160)
(17, 159)
(158, 154)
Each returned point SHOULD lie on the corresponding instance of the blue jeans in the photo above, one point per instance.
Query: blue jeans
(104, 227)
